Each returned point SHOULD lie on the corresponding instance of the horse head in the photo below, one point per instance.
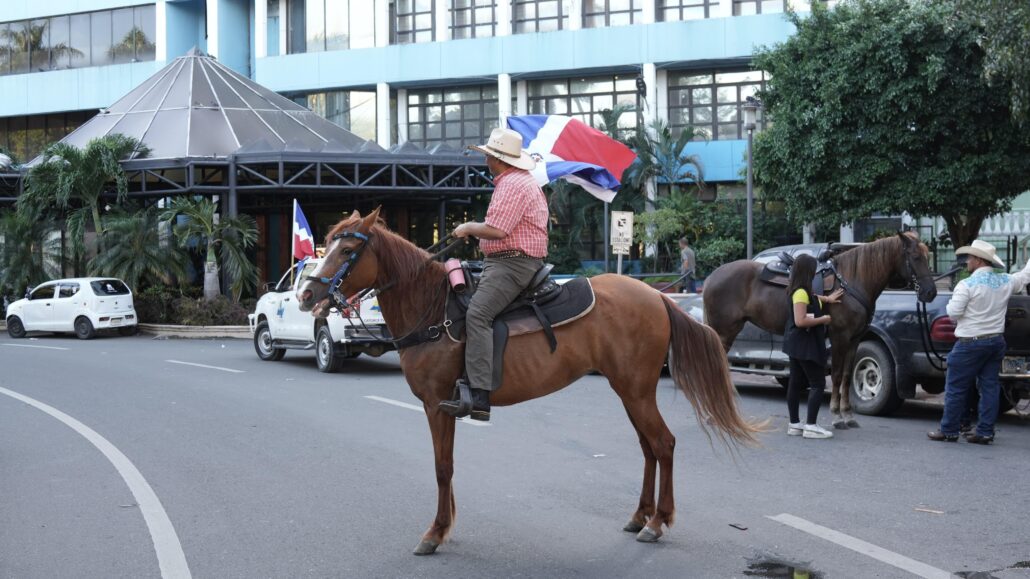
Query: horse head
(914, 267)
(349, 265)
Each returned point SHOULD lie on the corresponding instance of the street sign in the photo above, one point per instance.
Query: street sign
(622, 232)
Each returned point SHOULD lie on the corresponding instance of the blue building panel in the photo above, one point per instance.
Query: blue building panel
(721, 161)
(22, 9)
(71, 90)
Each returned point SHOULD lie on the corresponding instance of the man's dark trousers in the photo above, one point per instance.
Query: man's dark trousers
(968, 362)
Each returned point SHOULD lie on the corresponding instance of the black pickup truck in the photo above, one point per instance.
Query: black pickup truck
(891, 359)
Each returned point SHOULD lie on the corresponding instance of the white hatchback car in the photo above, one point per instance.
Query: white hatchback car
(80, 305)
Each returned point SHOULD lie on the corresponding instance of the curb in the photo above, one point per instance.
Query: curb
(174, 331)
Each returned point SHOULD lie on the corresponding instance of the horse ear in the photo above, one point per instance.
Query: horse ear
(369, 220)
(355, 215)
(905, 238)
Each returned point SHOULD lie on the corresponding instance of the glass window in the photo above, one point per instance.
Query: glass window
(43, 292)
(586, 99)
(272, 27)
(600, 13)
(20, 34)
(473, 18)
(68, 290)
(109, 287)
(296, 37)
(39, 45)
(314, 25)
(5, 48)
(123, 47)
(80, 44)
(100, 38)
(539, 15)
(318, 25)
(673, 10)
(59, 42)
(144, 28)
(35, 138)
(17, 135)
(470, 113)
(352, 110)
(748, 7)
(337, 25)
(710, 103)
(362, 24)
(412, 21)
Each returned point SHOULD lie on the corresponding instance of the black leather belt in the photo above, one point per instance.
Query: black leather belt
(975, 338)
(510, 253)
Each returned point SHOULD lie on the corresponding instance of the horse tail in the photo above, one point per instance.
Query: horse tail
(697, 363)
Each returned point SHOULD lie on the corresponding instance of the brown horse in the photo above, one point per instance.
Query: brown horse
(734, 294)
(625, 337)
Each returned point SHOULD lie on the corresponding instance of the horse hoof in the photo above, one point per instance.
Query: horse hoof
(633, 527)
(648, 535)
(426, 547)
(840, 425)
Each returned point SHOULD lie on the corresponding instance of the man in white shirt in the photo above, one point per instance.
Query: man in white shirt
(978, 308)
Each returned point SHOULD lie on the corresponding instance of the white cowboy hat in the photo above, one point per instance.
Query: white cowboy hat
(506, 145)
(983, 250)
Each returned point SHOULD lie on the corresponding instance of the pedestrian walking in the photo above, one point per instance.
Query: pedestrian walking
(804, 342)
(978, 307)
(688, 267)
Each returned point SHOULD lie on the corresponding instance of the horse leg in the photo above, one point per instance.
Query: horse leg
(645, 510)
(644, 414)
(442, 428)
(837, 370)
(845, 386)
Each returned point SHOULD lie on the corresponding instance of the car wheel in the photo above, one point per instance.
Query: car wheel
(263, 344)
(15, 328)
(873, 389)
(84, 328)
(128, 330)
(326, 353)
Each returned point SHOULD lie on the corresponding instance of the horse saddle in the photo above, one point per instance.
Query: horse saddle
(542, 306)
(777, 272)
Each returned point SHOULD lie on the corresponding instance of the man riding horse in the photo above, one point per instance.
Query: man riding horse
(514, 239)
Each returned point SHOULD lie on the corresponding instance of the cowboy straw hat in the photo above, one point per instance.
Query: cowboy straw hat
(983, 250)
(506, 145)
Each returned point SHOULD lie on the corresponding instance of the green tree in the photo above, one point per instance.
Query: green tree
(30, 253)
(222, 240)
(1005, 38)
(71, 182)
(881, 106)
(135, 252)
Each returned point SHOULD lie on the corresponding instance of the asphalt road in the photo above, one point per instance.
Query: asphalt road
(276, 470)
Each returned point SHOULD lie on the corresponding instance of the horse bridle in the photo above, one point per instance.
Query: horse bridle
(346, 268)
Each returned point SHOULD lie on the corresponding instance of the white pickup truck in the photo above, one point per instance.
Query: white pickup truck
(279, 325)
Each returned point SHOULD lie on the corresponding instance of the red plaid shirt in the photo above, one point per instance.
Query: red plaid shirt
(517, 207)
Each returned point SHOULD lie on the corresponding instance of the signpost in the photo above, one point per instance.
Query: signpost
(622, 235)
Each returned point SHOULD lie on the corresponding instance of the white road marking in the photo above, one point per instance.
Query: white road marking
(416, 408)
(31, 346)
(170, 558)
(205, 366)
(859, 546)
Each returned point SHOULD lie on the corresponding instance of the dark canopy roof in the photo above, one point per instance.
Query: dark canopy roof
(196, 107)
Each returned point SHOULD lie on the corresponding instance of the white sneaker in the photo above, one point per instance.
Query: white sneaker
(794, 428)
(816, 431)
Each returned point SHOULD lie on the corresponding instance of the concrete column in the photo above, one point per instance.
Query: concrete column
(503, 18)
(212, 27)
(260, 28)
(383, 125)
(402, 115)
(808, 233)
(650, 74)
(847, 233)
(443, 20)
(382, 23)
(575, 10)
(522, 98)
(662, 95)
(647, 14)
(503, 99)
(160, 32)
(282, 28)
(721, 10)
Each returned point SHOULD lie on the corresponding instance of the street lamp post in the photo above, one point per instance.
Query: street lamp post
(750, 108)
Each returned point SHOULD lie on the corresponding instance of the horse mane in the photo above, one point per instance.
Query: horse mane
(875, 260)
(401, 263)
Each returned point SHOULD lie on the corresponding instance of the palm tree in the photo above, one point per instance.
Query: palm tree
(662, 156)
(221, 239)
(73, 181)
(135, 252)
(30, 253)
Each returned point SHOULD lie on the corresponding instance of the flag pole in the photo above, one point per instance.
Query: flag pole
(293, 241)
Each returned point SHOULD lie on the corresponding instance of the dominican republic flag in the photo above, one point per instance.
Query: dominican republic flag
(569, 149)
(303, 240)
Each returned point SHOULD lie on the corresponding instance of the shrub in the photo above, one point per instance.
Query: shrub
(220, 311)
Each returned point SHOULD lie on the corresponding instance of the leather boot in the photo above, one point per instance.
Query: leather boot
(479, 408)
